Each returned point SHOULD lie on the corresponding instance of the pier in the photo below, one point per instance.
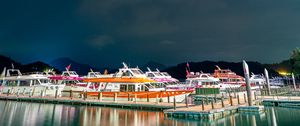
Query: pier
(160, 106)
(211, 107)
(215, 108)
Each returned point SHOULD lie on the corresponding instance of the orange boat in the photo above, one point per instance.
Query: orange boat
(130, 83)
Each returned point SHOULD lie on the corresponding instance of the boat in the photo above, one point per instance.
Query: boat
(162, 77)
(132, 82)
(33, 83)
(204, 80)
(277, 82)
(258, 81)
(71, 80)
(228, 78)
(197, 80)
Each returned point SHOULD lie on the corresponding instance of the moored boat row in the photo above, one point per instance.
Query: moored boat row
(125, 82)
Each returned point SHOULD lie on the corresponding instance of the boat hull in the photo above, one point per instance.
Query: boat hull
(143, 96)
(38, 90)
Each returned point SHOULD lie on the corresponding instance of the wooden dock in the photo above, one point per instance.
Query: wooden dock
(210, 109)
(281, 101)
(213, 110)
(160, 106)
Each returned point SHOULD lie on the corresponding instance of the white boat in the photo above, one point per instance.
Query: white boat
(259, 82)
(229, 78)
(123, 74)
(71, 80)
(162, 77)
(131, 81)
(34, 83)
(277, 81)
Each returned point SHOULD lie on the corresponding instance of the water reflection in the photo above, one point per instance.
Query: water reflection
(21, 113)
(273, 117)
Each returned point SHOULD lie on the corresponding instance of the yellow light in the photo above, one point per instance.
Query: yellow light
(283, 73)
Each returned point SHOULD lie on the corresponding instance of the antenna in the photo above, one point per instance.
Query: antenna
(3, 72)
(157, 70)
(125, 65)
(149, 69)
(218, 67)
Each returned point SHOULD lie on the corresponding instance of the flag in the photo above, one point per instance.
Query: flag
(91, 70)
(188, 66)
(187, 72)
(68, 67)
(12, 66)
(105, 72)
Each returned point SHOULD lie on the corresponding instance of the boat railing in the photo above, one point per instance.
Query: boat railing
(31, 73)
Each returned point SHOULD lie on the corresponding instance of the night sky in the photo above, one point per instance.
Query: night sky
(102, 32)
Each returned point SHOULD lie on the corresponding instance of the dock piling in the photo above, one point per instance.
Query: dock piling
(33, 91)
(222, 101)
(174, 102)
(248, 86)
(56, 92)
(18, 92)
(147, 97)
(168, 97)
(8, 91)
(71, 94)
(157, 99)
(128, 97)
(230, 100)
(86, 96)
(42, 93)
(115, 97)
(30, 93)
(100, 96)
(202, 103)
(245, 98)
(206, 100)
(215, 98)
(212, 105)
(238, 99)
(135, 98)
(186, 101)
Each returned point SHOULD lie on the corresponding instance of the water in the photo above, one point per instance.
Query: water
(37, 114)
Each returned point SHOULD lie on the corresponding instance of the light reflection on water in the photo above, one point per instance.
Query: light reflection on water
(22, 113)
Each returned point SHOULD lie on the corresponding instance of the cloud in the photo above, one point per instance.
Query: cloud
(167, 42)
(101, 41)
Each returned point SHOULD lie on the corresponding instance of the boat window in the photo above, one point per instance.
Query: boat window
(165, 73)
(204, 76)
(65, 74)
(195, 82)
(127, 73)
(157, 74)
(24, 83)
(188, 81)
(73, 73)
(137, 71)
(150, 75)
